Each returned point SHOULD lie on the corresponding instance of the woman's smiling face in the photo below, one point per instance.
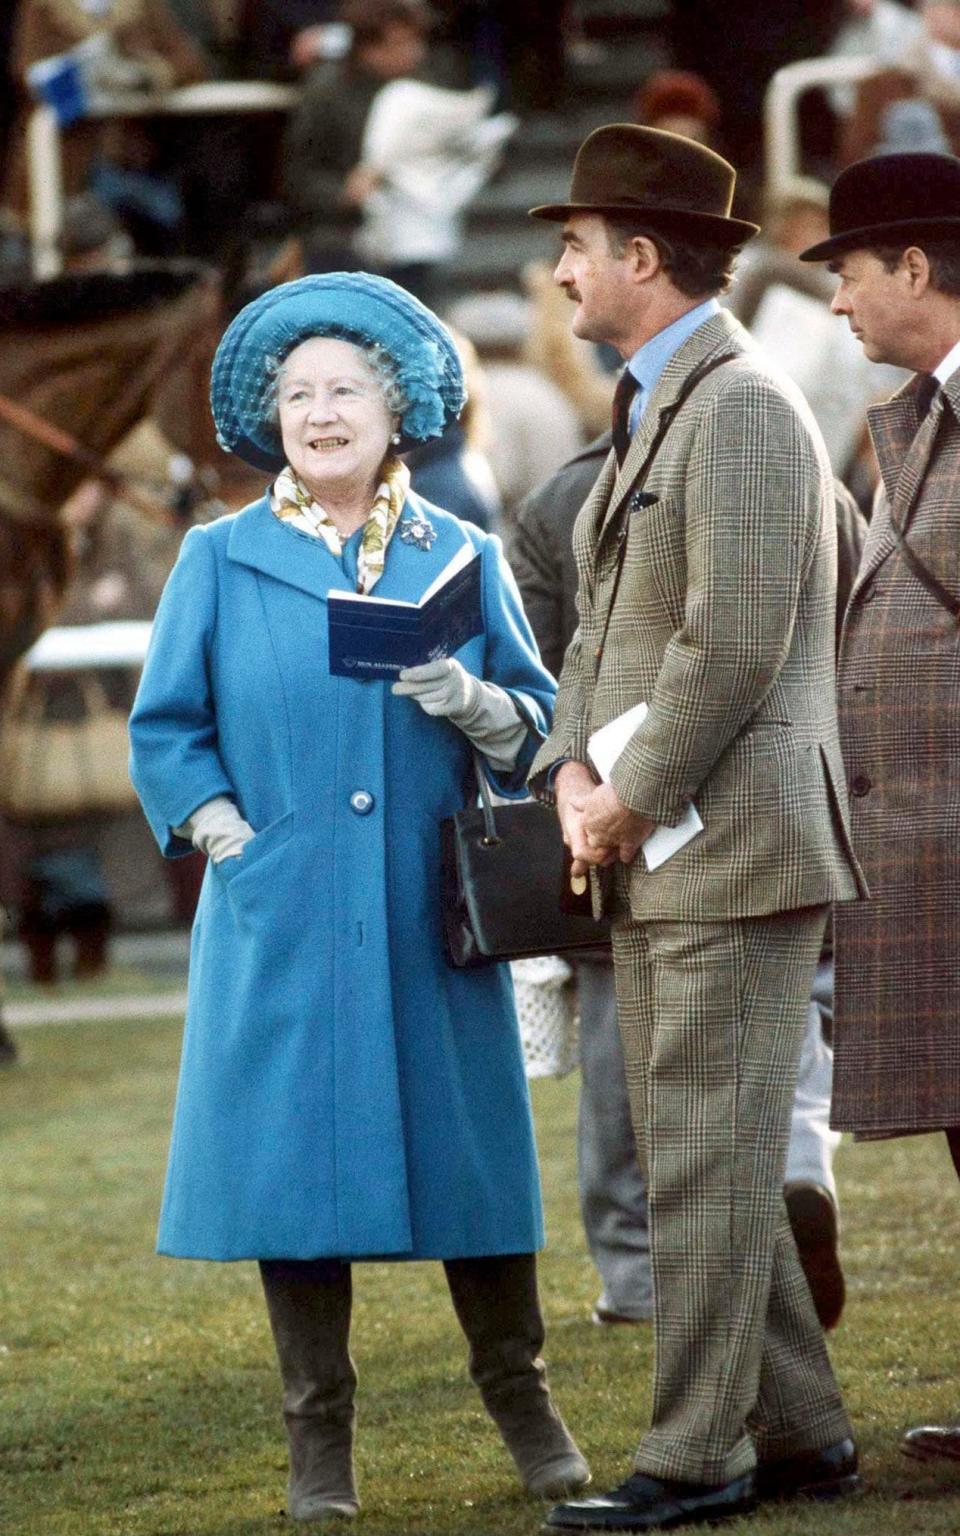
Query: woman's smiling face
(334, 420)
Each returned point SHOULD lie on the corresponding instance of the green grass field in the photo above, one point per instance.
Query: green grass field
(138, 1395)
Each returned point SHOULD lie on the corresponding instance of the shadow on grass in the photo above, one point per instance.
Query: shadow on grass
(277, 1522)
(211, 1446)
(137, 1461)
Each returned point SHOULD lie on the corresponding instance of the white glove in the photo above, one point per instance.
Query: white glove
(484, 713)
(217, 829)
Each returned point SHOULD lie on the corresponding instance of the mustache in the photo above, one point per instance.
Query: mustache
(573, 294)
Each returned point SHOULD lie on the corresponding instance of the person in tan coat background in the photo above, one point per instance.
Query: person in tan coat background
(707, 563)
(895, 246)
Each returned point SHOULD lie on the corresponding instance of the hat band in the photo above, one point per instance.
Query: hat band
(636, 205)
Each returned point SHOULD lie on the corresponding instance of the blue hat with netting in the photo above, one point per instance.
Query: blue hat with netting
(351, 306)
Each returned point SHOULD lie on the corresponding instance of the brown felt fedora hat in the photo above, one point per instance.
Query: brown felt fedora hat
(892, 199)
(661, 178)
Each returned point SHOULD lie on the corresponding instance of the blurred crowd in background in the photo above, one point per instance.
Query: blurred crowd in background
(409, 142)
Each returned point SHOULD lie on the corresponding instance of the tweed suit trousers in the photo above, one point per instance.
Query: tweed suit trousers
(712, 1019)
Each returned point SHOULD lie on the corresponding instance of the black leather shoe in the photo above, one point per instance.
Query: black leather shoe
(645, 1503)
(827, 1474)
(602, 1317)
(933, 1442)
(813, 1220)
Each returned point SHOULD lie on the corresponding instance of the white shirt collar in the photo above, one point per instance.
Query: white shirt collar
(949, 365)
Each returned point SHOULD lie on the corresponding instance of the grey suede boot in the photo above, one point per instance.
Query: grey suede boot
(309, 1307)
(499, 1311)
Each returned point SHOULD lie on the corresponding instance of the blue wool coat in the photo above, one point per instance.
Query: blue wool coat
(343, 1092)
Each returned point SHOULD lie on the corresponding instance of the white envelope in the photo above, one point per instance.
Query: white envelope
(604, 747)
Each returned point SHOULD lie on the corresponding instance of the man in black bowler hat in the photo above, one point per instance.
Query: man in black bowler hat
(706, 554)
(895, 247)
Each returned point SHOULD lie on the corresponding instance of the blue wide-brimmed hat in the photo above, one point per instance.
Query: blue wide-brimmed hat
(352, 306)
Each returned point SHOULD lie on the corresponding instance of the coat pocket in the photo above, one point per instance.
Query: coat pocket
(655, 562)
(255, 872)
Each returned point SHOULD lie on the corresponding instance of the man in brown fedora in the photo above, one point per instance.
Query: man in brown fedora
(895, 246)
(707, 560)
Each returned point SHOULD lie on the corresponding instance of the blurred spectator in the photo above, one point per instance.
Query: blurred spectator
(914, 103)
(880, 29)
(468, 32)
(14, 251)
(64, 890)
(571, 363)
(324, 178)
(797, 217)
(7, 101)
(516, 47)
(453, 471)
(144, 48)
(125, 559)
(93, 238)
(9, 889)
(449, 473)
(532, 49)
(91, 352)
(785, 303)
(792, 221)
(197, 20)
(121, 560)
(737, 49)
(72, 866)
(123, 556)
(679, 101)
(430, 151)
(534, 427)
(65, 894)
(282, 38)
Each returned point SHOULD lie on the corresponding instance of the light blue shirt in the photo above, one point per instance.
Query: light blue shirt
(649, 361)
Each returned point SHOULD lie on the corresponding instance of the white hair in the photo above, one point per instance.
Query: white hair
(376, 357)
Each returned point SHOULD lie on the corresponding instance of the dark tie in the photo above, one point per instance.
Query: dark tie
(622, 398)
(926, 391)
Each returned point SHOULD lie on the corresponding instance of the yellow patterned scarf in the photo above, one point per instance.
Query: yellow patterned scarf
(292, 503)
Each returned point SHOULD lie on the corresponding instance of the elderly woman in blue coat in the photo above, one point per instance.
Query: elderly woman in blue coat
(344, 1094)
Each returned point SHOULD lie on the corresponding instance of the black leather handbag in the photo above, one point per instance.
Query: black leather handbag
(502, 882)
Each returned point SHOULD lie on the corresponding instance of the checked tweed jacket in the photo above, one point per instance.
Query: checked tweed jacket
(897, 1022)
(724, 625)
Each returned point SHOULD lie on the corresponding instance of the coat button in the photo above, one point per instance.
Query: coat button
(361, 802)
(860, 786)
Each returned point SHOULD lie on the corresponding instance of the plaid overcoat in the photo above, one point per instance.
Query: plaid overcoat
(724, 625)
(897, 1021)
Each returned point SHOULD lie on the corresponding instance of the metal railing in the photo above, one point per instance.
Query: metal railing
(781, 126)
(45, 160)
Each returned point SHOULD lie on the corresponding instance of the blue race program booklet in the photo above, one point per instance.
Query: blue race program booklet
(376, 637)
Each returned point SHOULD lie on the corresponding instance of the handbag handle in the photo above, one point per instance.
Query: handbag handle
(490, 834)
